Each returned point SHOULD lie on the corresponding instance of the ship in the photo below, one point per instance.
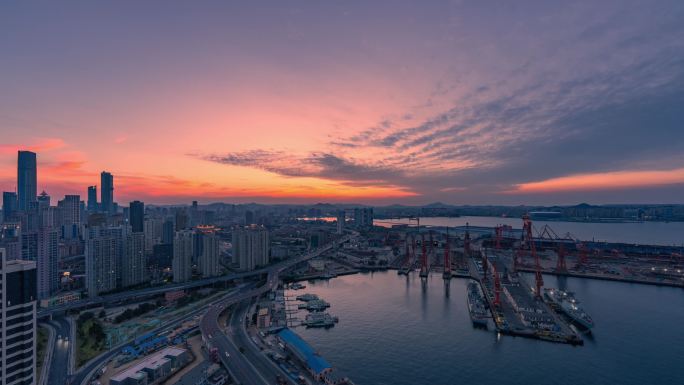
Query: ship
(566, 302)
(476, 305)
(319, 320)
(297, 286)
(314, 305)
(307, 297)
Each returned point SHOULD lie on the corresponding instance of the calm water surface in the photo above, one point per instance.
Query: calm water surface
(394, 330)
(655, 233)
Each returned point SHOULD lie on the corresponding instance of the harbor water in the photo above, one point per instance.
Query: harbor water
(654, 233)
(396, 330)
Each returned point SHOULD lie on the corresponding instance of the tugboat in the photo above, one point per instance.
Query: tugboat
(566, 302)
(476, 305)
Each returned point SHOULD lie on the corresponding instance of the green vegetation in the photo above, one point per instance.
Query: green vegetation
(132, 313)
(91, 338)
(41, 348)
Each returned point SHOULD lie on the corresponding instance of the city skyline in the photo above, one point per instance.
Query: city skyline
(410, 103)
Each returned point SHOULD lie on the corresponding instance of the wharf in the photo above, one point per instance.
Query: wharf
(606, 277)
(520, 313)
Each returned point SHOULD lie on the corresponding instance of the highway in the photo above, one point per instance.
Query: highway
(247, 368)
(85, 373)
(59, 365)
(158, 290)
(237, 364)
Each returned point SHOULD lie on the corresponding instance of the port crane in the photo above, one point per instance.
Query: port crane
(527, 246)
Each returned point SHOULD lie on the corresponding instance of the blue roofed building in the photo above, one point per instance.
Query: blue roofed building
(316, 364)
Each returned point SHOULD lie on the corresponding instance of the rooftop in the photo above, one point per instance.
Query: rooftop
(315, 362)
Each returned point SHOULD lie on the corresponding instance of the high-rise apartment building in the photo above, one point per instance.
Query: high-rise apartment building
(208, 259)
(134, 265)
(363, 217)
(250, 247)
(168, 232)
(104, 248)
(47, 262)
(107, 192)
(154, 228)
(341, 218)
(9, 206)
(27, 179)
(70, 211)
(92, 198)
(136, 216)
(17, 321)
(183, 248)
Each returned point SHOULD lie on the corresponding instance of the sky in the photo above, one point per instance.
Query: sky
(377, 102)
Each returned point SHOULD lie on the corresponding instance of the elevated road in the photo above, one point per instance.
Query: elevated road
(245, 368)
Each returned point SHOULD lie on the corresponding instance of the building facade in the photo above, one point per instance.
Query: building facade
(250, 247)
(183, 248)
(17, 321)
(107, 192)
(27, 179)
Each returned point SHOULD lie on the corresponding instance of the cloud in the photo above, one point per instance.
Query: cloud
(38, 145)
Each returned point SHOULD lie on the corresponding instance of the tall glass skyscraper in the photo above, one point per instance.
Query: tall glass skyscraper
(9, 205)
(107, 191)
(136, 213)
(92, 198)
(26, 179)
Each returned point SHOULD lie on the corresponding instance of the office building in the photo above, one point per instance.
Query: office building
(107, 192)
(104, 248)
(250, 247)
(134, 265)
(27, 179)
(136, 216)
(17, 321)
(10, 240)
(92, 198)
(9, 206)
(183, 248)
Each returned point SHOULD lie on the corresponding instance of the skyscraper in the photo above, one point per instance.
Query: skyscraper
(92, 198)
(9, 206)
(183, 248)
(250, 247)
(17, 321)
(107, 191)
(27, 179)
(136, 213)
